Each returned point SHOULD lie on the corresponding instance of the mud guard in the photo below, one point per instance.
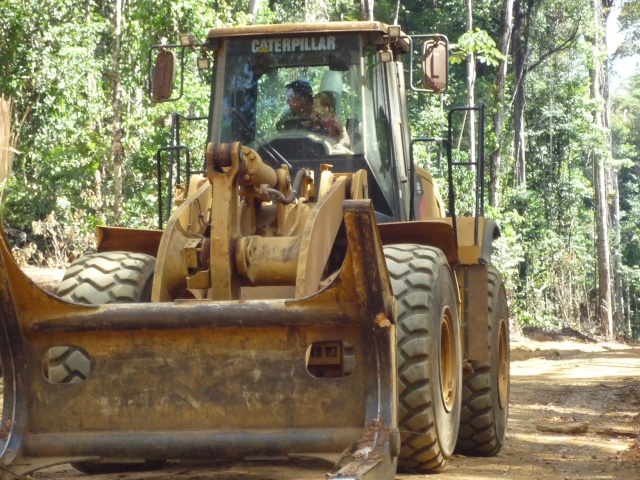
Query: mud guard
(205, 379)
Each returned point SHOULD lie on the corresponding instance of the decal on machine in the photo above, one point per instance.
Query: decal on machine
(293, 45)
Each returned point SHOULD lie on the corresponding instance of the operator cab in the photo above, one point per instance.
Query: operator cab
(310, 99)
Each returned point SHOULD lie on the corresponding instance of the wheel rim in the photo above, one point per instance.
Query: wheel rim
(503, 367)
(447, 361)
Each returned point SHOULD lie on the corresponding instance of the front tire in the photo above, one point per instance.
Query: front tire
(485, 397)
(428, 355)
(109, 277)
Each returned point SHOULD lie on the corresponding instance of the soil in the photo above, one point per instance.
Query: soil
(566, 385)
(574, 414)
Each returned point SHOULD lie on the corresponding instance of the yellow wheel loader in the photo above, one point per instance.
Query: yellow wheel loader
(308, 293)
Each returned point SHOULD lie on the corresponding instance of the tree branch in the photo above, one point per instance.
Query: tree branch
(559, 48)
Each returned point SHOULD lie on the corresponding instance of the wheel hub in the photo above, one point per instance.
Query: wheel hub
(447, 360)
(503, 367)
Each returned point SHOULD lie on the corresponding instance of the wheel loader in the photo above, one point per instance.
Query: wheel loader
(302, 296)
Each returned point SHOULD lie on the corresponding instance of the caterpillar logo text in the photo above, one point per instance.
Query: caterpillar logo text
(287, 45)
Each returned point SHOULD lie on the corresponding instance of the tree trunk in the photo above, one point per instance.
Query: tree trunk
(366, 10)
(395, 19)
(504, 42)
(618, 310)
(9, 134)
(602, 242)
(254, 6)
(117, 134)
(471, 79)
(601, 210)
(519, 101)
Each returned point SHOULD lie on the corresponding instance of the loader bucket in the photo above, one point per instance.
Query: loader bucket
(205, 379)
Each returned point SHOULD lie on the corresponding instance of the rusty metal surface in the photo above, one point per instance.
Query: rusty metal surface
(470, 247)
(198, 378)
(188, 221)
(318, 238)
(268, 260)
(435, 233)
(225, 164)
(111, 239)
(191, 444)
(475, 307)
(323, 27)
(432, 205)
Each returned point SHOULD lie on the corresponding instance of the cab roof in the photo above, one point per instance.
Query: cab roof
(377, 30)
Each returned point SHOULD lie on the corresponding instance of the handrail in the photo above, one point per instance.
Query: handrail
(176, 146)
(171, 149)
(479, 163)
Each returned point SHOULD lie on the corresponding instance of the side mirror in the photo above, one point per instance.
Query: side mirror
(435, 65)
(164, 76)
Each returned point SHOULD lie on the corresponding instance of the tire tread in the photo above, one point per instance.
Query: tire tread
(412, 269)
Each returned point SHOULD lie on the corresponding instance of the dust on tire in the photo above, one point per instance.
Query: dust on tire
(424, 287)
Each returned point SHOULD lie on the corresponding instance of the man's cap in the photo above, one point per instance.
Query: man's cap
(301, 87)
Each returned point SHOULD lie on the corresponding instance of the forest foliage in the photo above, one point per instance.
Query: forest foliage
(59, 68)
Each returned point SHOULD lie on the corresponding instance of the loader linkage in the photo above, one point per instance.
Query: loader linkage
(202, 379)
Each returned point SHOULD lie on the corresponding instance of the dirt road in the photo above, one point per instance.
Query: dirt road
(591, 389)
(565, 386)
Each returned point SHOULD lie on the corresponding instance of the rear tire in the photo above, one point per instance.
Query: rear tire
(429, 357)
(97, 279)
(485, 395)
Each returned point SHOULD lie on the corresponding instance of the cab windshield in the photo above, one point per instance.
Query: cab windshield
(298, 100)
